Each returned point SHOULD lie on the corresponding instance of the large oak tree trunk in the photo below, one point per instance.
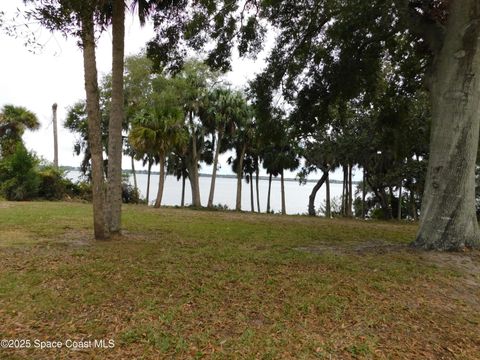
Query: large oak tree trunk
(100, 225)
(161, 183)
(114, 194)
(448, 220)
(214, 172)
(238, 204)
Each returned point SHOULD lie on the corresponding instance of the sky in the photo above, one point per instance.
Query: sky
(54, 74)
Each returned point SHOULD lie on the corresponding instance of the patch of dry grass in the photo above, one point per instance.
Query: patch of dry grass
(196, 284)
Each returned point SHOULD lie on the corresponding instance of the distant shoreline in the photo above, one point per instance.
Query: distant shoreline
(221, 176)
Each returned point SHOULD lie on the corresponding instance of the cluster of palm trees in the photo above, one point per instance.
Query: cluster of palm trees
(182, 120)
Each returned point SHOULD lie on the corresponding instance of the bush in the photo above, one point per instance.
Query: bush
(130, 195)
(53, 185)
(18, 177)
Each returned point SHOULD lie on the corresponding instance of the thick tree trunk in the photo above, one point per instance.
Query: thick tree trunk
(149, 173)
(238, 204)
(327, 201)
(257, 186)
(214, 172)
(135, 184)
(269, 192)
(313, 194)
(114, 194)
(161, 182)
(448, 220)
(282, 183)
(100, 224)
(182, 204)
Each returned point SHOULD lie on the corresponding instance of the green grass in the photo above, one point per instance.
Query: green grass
(197, 284)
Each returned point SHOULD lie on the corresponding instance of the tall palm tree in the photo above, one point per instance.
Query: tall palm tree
(224, 110)
(158, 132)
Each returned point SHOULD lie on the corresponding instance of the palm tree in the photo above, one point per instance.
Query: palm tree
(224, 111)
(158, 131)
(14, 120)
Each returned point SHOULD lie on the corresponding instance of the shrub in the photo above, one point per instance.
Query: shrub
(53, 184)
(18, 177)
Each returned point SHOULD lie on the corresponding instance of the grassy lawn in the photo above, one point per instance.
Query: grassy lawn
(225, 285)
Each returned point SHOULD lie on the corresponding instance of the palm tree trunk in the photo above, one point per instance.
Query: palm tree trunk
(100, 224)
(182, 204)
(327, 201)
(161, 182)
(214, 172)
(400, 202)
(149, 173)
(193, 171)
(363, 194)
(135, 184)
(114, 194)
(282, 183)
(350, 191)
(238, 205)
(344, 191)
(251, 192)
(258, 192)
(269, 192)
(413, 205)
(313, 194)
(55, 135)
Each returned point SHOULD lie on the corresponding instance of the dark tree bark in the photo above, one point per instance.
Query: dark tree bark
(313, 194)
(448, 220)
(115, 144)
(100, 223)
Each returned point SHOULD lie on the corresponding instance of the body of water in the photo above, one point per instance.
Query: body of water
(296, 196)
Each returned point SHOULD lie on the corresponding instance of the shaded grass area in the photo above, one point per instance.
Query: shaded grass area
(195, 284)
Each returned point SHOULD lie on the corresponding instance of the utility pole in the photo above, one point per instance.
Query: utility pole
(55, 136)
